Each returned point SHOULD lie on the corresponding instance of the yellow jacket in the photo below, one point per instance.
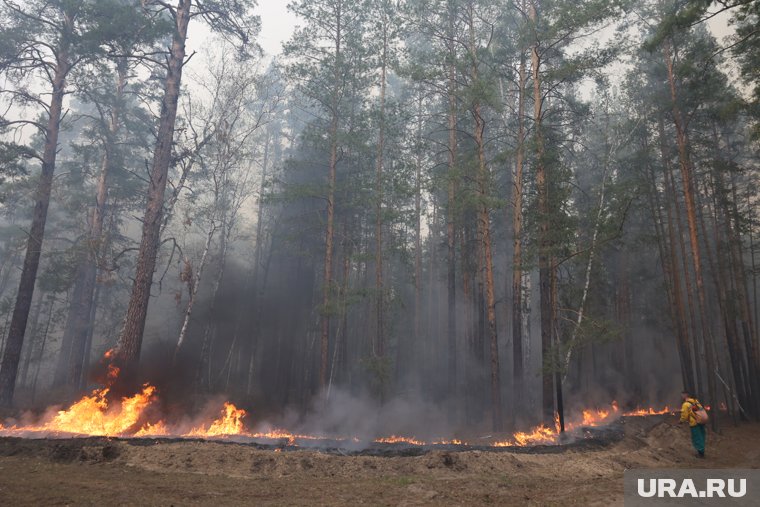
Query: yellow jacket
(687, 413)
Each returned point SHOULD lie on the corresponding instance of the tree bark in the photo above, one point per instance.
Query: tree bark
(484, 234)
(670, 182)
(130, 339)
(544, 242)
(691, 215)
(329, 232)
(517, 270)
(15, 340)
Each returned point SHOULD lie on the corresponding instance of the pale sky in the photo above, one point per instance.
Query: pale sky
(277, 24)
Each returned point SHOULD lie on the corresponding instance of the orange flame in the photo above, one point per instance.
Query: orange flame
(393, 439)
(158, 429)
(93, 415)
(454, 441)
(278, 434)
(540, 435)
(647, 411)
(595, 417)
(230, 423)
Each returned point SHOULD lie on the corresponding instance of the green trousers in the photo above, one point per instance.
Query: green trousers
(698, 437)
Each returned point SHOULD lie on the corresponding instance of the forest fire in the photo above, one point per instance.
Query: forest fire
(95, 415)
(131, 417)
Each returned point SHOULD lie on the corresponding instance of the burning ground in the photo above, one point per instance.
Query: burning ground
(109, 471)
(105, 449)
(102, 414)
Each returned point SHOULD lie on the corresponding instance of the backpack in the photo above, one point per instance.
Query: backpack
(699, 413)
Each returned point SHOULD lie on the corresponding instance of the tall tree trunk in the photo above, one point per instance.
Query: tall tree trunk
(329, 232)
(451, 209)
(688, 349)
(130, 339)
(691, 215)
(380, 296)
(484, 236)
(15, 340)
(698, 347)
(74, 341)
(517, 269)
(544, 242)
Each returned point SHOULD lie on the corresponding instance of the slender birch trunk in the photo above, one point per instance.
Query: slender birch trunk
(517, 261)
(194, 281)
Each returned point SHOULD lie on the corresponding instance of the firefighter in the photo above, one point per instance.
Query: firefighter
(688, 414)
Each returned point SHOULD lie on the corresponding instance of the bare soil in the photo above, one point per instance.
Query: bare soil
(116, 472)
